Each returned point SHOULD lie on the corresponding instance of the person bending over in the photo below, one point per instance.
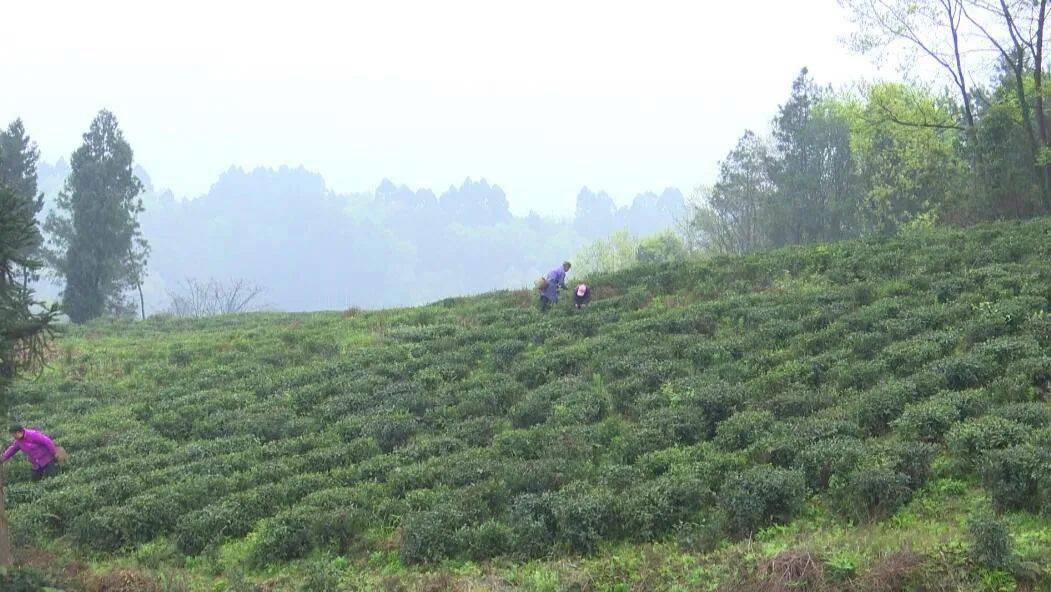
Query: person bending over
(556, 280)
(39, 449)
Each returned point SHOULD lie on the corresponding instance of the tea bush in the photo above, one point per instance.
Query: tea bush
(653, 508)
(743, 429)
(825, 459)
(973, 438)
(869, 493)
(760, 496)
(991, 546)
(1018, 477)
(927, 421)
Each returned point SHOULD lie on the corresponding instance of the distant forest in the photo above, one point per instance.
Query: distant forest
(309, 248)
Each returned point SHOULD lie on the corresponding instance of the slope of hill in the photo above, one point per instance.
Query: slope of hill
(840, 416)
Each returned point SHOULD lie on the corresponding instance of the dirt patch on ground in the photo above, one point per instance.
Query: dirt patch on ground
(788, 571)
(890, 573)
(124, 580)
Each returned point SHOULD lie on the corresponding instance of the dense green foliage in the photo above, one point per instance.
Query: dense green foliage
(869, 162)
(621, 250)
(24, 324)
(98, 248)
(719, 396)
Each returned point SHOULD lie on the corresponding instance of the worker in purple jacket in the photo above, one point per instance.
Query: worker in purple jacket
(556, 280)
(39, 449)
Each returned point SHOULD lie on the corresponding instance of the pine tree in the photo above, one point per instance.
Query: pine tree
(18, 159)
(18, 172)
(25, 325)
(96, 243)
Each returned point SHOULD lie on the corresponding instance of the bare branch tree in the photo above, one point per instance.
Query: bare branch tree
(886, 113)
(1016, 30)
(931, 27)
(198, 299)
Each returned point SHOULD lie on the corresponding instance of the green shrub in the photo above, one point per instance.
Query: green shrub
(476, 431)
(1009, 349)
(716, 402)
(966, 371)
(653, 508)
(991, 545)
(877, 408)
(505, 351)
(927, 421)
(490, 398)
(1037, 371)
(906, 357)
(860, 375)
(582, 406)
(585, 516)
(534, 409)
(529, 443)
(1018, 477)
(531, 518)
(667, 426)
(968, 403)
(702, 535)
(540, 475)
(868, 344)
(431, 535)
(463, 468)
(488, 539)
(1031, 414)
(970, 439)
(799, 402)
(825, 459)
(869, 493)
(743, 429)
(1039, 326)
(426, 447)
(389, 429)
(995, 319)
(105, 529)
(760, 496)
(619, 476)
(912, 459)
(788, 438)
(404, 479)
(22, 579)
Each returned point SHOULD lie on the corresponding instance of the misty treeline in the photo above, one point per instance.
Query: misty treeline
(835, 165)
(309, 248)
(113, 244)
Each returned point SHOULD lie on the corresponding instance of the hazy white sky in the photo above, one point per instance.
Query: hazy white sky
(541, 97)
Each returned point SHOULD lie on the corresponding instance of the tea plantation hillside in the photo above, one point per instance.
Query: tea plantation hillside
(864, 415)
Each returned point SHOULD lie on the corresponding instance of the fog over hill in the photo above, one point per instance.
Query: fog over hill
(310, 248)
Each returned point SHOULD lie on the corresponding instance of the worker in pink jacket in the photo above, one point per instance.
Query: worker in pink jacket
(39, 449)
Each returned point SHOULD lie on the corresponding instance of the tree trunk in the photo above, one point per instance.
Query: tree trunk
(6, 556)
(142, 301)
(1027, 122)
(961, 77)
(7, 357)
(1038, 78)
